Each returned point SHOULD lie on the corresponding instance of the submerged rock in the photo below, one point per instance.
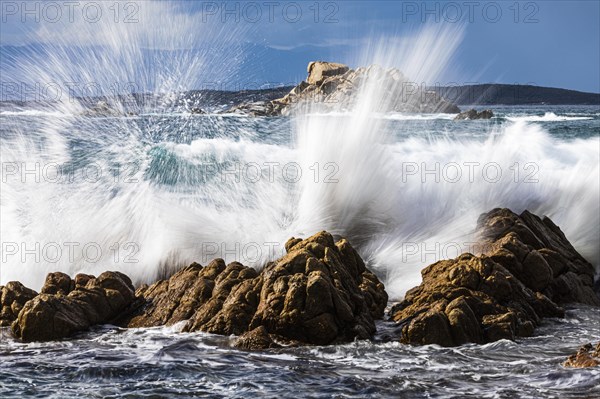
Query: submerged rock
(474, 114)
(335, 87)
(58, 314)
(102, 109)
(501, 294)
(260, 338)
(259, 108)
(197, 111)
(586, 356)
(319, 293)
(13, 297)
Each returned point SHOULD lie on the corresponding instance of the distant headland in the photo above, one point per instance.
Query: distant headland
(514, 94)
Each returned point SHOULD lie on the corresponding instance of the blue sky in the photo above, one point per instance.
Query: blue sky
(546, 43)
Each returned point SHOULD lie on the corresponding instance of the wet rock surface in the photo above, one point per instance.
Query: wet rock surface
(260, 338)
(102, 109)
(469, 299)
(58, 283)
(65, 307)
(586, 356)
(256, 108)
(13, 297)
(319, 293)
(537, 253)
(473, 114)
(501, 294)
(335, 87)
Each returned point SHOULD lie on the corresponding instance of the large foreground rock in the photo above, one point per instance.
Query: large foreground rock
(67, 306)
(13, 297)
(319, 293)
(469, 299)
(526, 265)
(335, 87)
(539, 255)
(586, 356)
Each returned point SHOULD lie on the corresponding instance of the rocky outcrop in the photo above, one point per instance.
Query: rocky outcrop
(469, 299)
(586, 356)
(538, 254)
(474, 114)
(67, 306)
(335, 87)
(101, 109)
(256, 108)
(318, 71)
(320, 293)
(502, 293)
(13, 297)
(193, 291)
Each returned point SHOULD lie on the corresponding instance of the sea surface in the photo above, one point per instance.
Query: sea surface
(148, 193)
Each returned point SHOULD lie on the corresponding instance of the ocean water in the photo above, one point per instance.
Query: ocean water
(148, 193)
(160, 362)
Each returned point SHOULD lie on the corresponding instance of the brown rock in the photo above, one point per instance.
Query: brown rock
(319, 70)
(82, 279)
(54, 316)
(13, 297)
(469, 299)
(320, 292)
(586, 356)
(259, 338)
(429, 327)
(58, 283)
(527, 265)
(537, 253)
(464, 325)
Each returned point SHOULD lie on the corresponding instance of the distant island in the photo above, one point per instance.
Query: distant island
(505, 94)
(482, 94)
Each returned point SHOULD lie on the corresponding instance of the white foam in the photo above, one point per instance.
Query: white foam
(32, 112)
(547, 117)
(418, 117)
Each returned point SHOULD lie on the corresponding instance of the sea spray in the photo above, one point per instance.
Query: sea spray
(408, 201)
(150, 193)
(412, 202)
(74, 188)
